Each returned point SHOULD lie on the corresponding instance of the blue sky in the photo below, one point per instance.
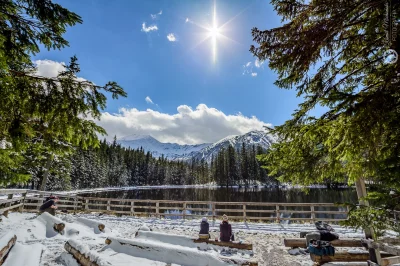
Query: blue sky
(112, 45)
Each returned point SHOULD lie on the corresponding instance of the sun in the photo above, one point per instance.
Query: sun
(214, 32)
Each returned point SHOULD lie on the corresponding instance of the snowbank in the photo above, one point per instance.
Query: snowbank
(97, 226)
(165, 252)
(26, 255)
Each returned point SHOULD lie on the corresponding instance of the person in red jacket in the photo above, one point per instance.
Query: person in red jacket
(225, 229)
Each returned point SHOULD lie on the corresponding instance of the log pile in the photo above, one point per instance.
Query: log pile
(7, 242)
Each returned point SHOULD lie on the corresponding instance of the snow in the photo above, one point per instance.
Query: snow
(154, 250)
(267, 239)
(27, 255)
(90, 223)
(172, 151)
(5, 238)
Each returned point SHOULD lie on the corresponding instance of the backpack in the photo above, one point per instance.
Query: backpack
(321, 248)
(321, 226)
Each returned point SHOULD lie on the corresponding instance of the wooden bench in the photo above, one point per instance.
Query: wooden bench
(346, 256)
(234, 244)
(301, 242)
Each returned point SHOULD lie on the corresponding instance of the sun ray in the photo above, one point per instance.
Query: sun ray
(214, 32)
(233, 18)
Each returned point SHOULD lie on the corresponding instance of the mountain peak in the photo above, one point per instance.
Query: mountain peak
(136, 137)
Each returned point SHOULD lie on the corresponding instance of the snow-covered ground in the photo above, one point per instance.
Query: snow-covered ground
(33, 236)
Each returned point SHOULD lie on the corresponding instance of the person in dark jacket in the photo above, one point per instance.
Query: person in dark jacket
(204, 228)
(49, 205)
(225, 229)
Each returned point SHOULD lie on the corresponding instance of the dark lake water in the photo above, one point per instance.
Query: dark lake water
(276, 194)
(265, 195)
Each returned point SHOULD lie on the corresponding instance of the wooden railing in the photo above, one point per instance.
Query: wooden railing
(30, 200)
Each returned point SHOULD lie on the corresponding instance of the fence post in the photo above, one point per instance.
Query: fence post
(87, 204)
(21, 208)
(244, 212)
(213, 211)
(184, 210)
(158, 209)
(75, 203)
(41, 195)
(132, 208)
(108, 205)
(312, 214)
(9, 196)
(278, 215)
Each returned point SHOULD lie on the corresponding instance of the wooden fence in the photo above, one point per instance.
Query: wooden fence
(30, 200)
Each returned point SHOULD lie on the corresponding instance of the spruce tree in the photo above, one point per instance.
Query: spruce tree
(53, 113)
(334, 54)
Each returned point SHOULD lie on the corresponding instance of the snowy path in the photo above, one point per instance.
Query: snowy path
(267, 239)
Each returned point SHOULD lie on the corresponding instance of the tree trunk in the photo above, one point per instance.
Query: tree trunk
(46, 173)
(374, 254)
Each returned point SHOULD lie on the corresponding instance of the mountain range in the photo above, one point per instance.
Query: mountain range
(174, 151)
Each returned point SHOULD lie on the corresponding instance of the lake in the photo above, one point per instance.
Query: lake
(222, 194)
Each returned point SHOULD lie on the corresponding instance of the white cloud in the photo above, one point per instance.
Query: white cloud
(171, 37)
(51, 69)
(187, 20)
(148, 100)
(149, 28)
(248, 67)
(187, 126)
(258, 63)
(154, 16)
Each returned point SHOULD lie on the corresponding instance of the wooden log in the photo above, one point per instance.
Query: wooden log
(83, 259)
(301, 242)
(52, 221)
(394, 250)
(246, 246)
(92, 224)
(181, 255)
(344, 256)
(187, 241)
(7, 242)
(390, 260)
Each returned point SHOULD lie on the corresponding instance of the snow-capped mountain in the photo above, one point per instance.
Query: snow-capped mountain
(257, 138)
(172, 151)
(176, 151)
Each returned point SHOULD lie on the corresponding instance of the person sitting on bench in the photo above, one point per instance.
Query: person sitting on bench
(49, 205)
(225, 229)
(204, 229)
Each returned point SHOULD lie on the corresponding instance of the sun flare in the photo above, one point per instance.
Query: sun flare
(214, 32)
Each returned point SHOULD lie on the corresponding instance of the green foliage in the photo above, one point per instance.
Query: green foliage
(42, 113)
(333, 54)
(368, 217)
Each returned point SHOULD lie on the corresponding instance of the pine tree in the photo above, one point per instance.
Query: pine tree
(358, 134)
(39, 111)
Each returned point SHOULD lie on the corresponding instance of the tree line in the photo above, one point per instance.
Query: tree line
(111, 165)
